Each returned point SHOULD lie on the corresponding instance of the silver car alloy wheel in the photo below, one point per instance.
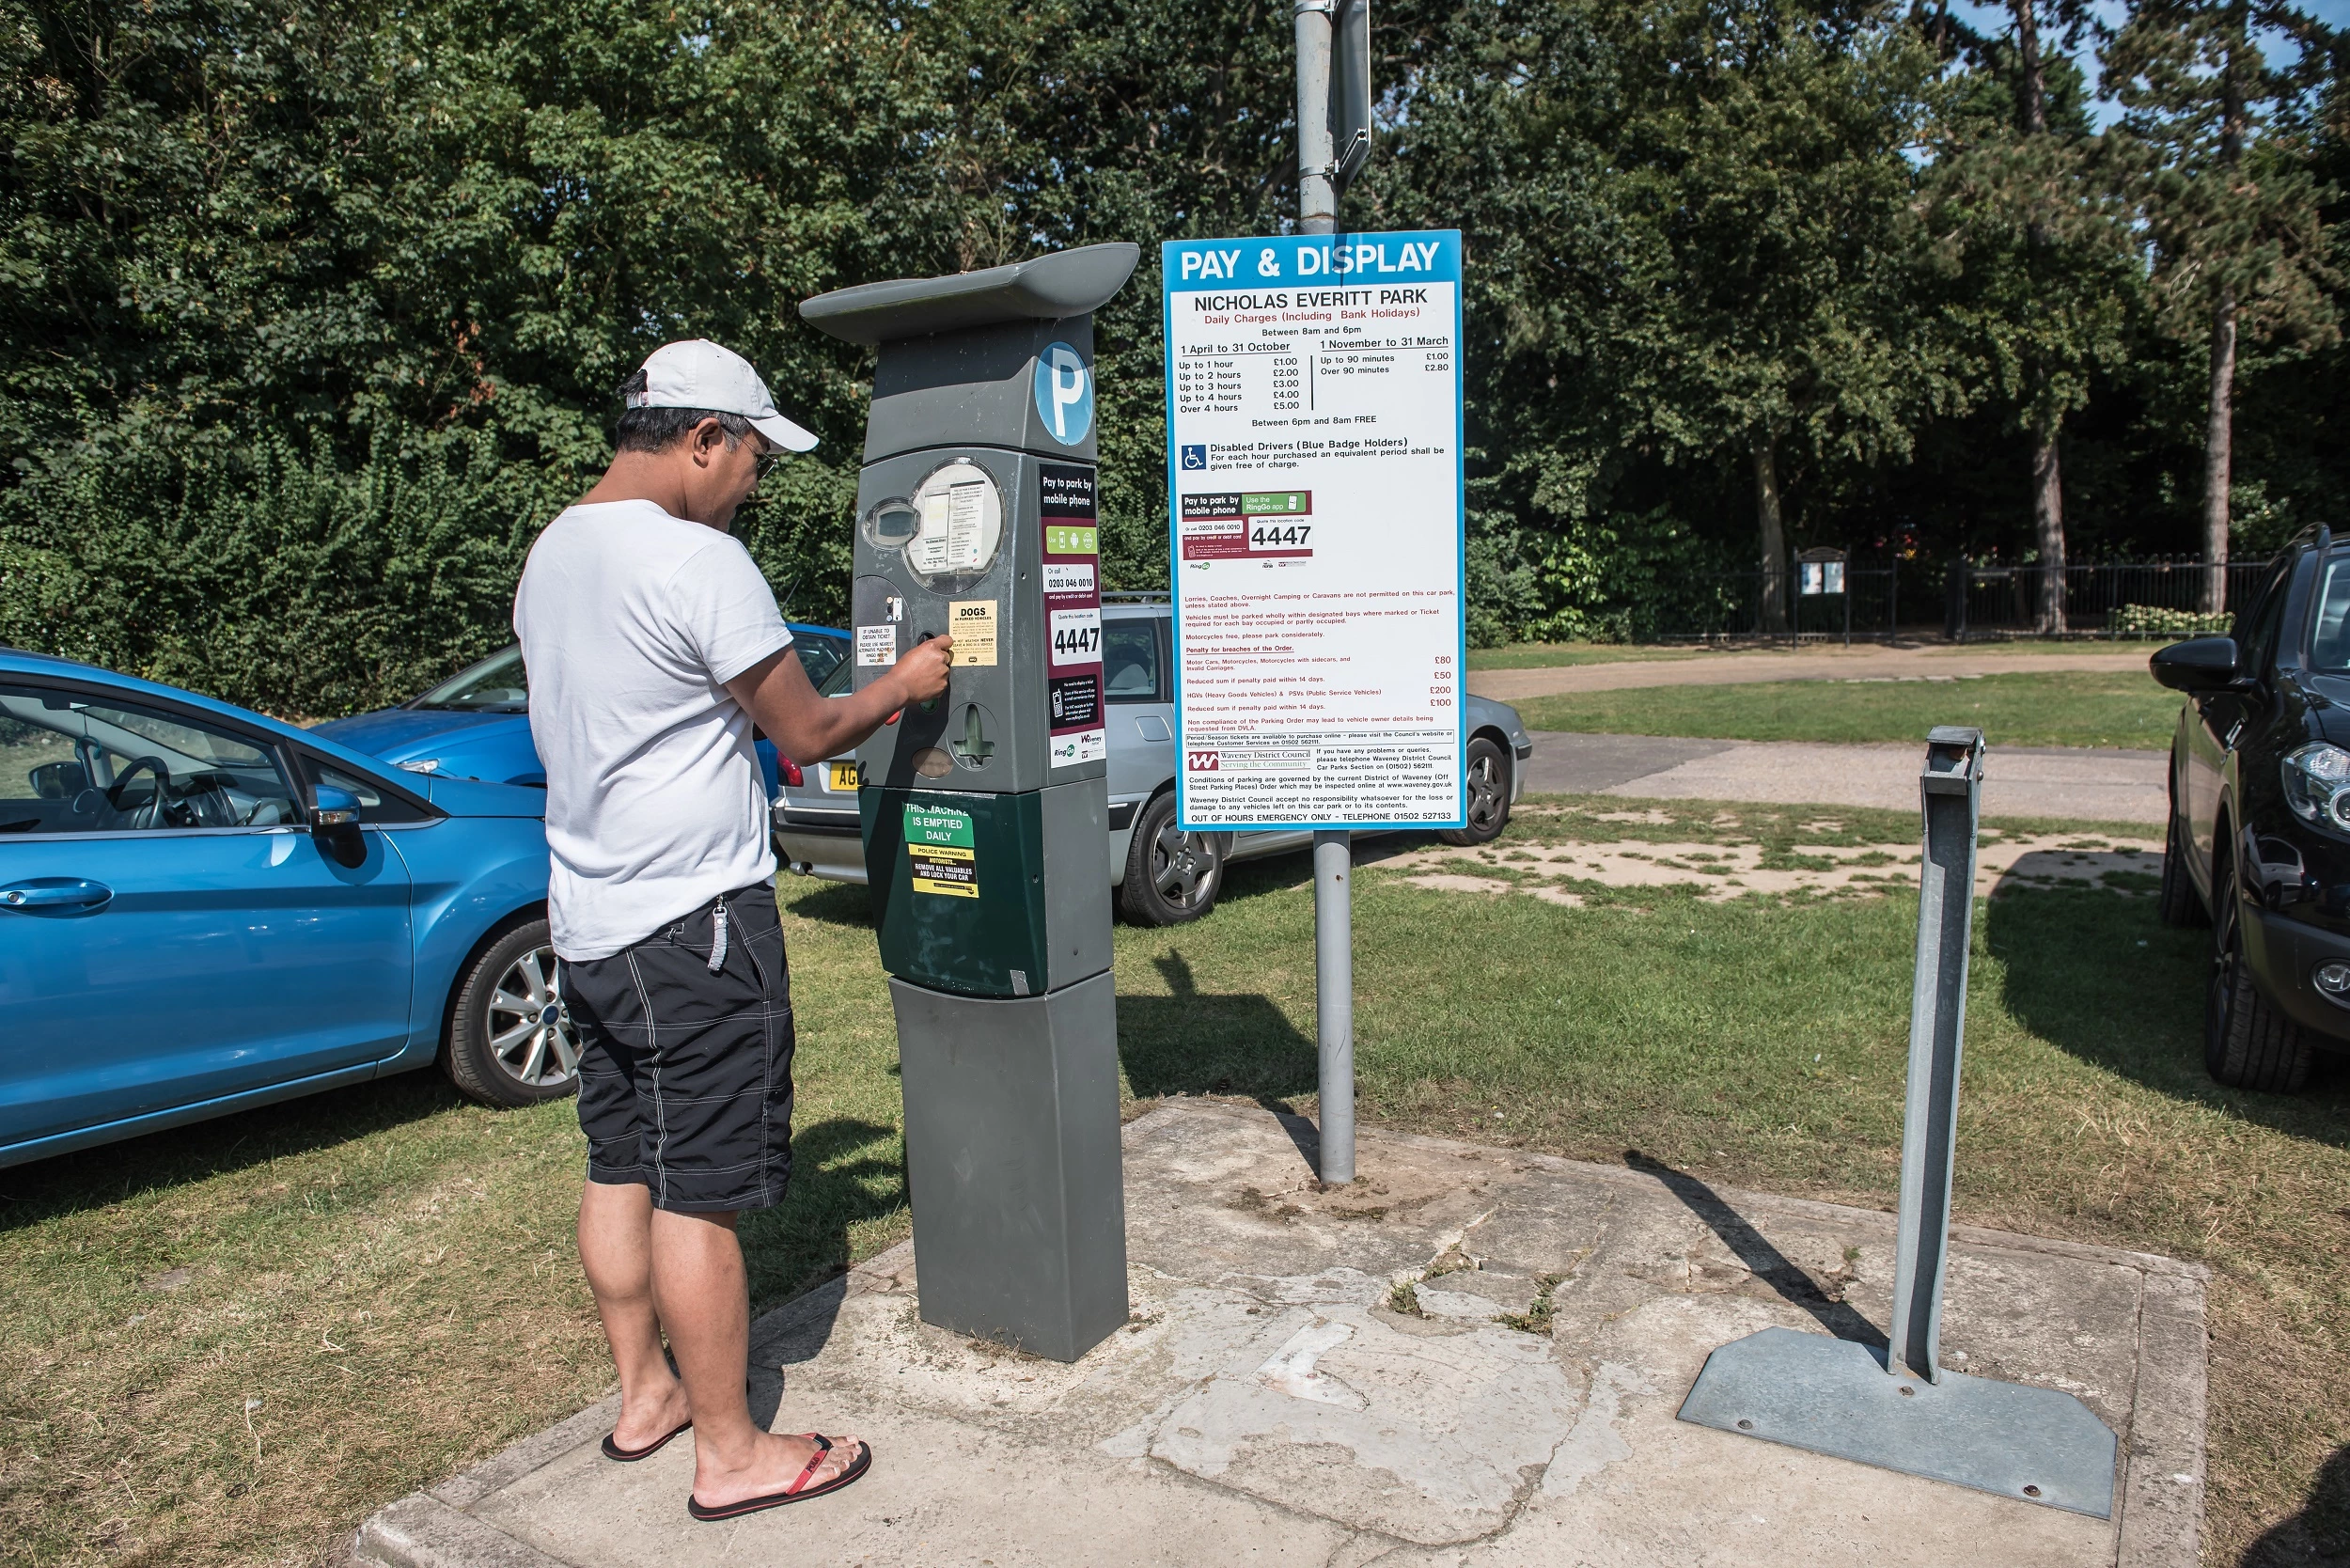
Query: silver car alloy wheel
(1488, 797)
(529, 1033)
(1183, 865)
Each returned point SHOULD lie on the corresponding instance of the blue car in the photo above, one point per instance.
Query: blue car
(203, 910)
(476, 722)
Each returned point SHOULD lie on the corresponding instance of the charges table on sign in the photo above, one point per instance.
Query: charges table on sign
(1315, 504)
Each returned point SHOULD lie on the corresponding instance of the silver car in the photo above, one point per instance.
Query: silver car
(1163, 875)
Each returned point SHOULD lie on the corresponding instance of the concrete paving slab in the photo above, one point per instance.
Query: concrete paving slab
(2082, 783)
(1825, 663)
(1471, 1357)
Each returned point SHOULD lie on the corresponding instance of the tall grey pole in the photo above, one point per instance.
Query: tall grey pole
(1334, 870)
(1334, 1000)
(1317, 185)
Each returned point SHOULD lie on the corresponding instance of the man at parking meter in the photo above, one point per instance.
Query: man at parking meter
(654, 646)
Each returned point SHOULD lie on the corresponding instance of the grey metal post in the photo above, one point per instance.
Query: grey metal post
(1951, 788)
(1334, 1000)
(1831, 1396)
(1334, 870)
(1317, 185)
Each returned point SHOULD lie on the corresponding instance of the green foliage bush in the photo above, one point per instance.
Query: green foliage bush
(284, 580)
(312, 312)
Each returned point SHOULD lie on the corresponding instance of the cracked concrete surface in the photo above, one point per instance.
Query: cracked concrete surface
(1354, 1378)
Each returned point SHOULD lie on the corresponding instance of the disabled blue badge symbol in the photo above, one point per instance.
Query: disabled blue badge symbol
(1064, 393)
(1195, 457)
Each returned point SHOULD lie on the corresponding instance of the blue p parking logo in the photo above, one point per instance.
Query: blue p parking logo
(1064, 393)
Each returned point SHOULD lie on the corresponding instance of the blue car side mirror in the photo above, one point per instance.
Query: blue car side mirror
(334, 807)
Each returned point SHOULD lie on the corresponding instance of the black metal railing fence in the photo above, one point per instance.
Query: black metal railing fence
(1884, 597)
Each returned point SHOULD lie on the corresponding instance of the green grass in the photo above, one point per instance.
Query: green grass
(389, 1272)
(2083, 708)
(1552, 655)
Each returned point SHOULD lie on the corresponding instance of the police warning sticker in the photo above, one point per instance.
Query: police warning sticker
(942, 851)
(876, 647)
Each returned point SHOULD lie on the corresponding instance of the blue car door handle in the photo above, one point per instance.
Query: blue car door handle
(56, 892)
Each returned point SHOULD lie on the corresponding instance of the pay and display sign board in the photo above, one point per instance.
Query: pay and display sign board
(1313, 415)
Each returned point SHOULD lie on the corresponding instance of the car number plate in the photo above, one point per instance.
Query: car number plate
(845, 777)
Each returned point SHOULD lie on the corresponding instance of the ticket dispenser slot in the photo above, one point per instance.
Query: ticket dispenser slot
(986, 812)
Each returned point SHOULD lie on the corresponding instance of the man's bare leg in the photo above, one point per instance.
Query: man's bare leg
(615, 1248)
(704, 1300)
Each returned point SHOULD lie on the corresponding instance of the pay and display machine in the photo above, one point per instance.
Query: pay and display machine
(986, 813)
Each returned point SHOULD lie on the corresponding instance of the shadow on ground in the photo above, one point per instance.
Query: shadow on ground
(2319, 1535)
(111, 1172)
(2077, 975)
(1191, 1042)
(1767, 1262)
(844, 1171)
(833, 904)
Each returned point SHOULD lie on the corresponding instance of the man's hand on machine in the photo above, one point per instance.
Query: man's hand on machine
(810, 729)
(923, 670)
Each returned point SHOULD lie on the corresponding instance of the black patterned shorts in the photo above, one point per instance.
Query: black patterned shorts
(685, 1072)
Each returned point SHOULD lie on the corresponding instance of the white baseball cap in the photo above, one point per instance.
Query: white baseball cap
(698, 373)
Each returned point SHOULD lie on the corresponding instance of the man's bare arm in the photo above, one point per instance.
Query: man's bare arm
(807, 728)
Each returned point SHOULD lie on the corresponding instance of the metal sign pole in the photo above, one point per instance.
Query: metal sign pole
(1834, 1396)
(1334, 1001)
(1333, 912)
(1317, 171)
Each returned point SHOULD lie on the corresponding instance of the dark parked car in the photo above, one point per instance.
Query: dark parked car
(2259, 819)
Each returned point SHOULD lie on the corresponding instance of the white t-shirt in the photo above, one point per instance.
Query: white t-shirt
(631, 621)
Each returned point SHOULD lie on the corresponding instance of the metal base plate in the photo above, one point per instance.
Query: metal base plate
(1834, 1397)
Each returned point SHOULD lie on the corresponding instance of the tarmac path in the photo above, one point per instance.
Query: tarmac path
(1928, 663)
(2077, 782)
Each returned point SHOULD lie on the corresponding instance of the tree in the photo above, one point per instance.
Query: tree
(1763, 149)
(2023, 205)
(2229, 202)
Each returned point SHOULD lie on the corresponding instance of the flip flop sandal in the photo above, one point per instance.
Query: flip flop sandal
(799, 1491)
(630, 1457)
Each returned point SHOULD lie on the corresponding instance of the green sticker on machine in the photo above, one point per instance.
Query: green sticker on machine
(942, 851)
(1064, 539)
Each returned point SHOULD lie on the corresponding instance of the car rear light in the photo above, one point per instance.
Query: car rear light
(790, 770)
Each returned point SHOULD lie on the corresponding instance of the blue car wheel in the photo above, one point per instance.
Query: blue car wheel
(510, 1040)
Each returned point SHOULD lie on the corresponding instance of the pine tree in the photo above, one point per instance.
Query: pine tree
(2231, 208)
(2022, 201)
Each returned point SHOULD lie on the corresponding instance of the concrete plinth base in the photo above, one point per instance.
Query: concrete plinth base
(1471, 1356)
(1012, 1159)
